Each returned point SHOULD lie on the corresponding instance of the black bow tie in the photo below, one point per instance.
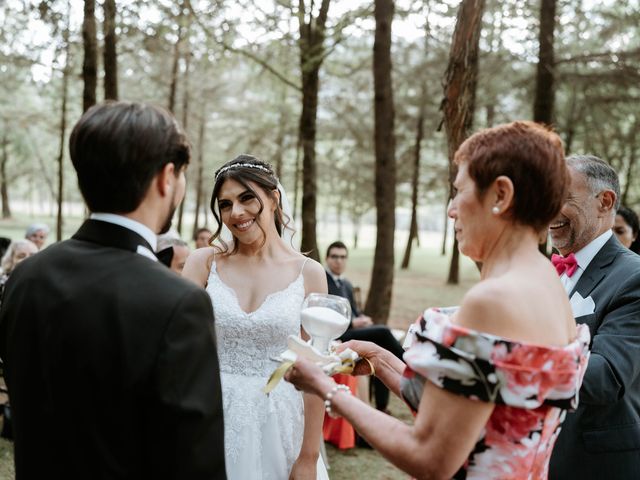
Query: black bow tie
(165, 256)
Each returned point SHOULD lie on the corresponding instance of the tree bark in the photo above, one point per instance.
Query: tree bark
(378, 302)
(312, 35)
(415, 181)
(4, 184)
(176, 63)
(63, 122)
(445, 231)
(460, 83)
(90, 62)
(200, 174)
(185, 120)
(545, 93)
(110, 55)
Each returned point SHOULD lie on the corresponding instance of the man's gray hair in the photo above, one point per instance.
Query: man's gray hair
(599, 174)
(167, 240)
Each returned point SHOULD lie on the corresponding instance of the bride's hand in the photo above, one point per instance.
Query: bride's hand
(304, 469)
(366, 350)
(308, 377)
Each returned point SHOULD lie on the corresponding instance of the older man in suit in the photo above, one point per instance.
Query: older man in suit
(601, 439)
(110, 358)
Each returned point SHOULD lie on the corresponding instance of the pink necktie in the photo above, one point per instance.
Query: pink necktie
(567, 264)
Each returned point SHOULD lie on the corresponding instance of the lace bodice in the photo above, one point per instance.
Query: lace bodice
(247, 342)
(263, 434)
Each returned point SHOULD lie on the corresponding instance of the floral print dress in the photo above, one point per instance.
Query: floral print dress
(532, 387)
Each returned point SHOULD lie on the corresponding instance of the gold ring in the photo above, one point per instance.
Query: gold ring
(373, 370)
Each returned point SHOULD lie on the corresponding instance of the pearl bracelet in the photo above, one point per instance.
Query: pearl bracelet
(329, 398)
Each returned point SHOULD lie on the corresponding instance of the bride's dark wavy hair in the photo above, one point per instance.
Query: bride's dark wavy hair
(262, 175)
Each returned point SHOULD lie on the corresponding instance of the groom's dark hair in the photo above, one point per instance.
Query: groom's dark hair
(117, 148)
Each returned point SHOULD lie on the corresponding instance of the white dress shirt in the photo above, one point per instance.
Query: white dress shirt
(584, 257)
(135, 226)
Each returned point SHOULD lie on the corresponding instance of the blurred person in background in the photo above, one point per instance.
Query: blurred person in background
(37, 233)
(17, 252)
(173, 252)
(626, 228)
(202, 237)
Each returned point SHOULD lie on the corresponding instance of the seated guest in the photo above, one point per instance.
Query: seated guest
(172, 251)
(16, 253)
(361, 327)
(4, 244)
(37, 233)
(626, 228)
(489, 381)
(202, 237)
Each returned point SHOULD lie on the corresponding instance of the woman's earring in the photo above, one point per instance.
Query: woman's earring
(495, 210)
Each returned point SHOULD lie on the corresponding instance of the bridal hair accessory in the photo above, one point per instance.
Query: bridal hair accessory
(329, 397)
(495, 210)
(243, 165)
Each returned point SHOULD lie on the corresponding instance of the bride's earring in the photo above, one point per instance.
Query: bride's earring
(495, 210)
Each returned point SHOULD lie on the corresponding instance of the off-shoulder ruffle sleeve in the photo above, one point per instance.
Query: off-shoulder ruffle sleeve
(490, 368)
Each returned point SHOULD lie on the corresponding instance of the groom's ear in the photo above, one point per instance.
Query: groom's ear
(165, 179)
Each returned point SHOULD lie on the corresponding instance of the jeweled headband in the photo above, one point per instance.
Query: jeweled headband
(242, 165)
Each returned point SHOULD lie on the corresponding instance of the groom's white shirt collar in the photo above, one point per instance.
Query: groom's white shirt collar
(137, 227)
(584, 258)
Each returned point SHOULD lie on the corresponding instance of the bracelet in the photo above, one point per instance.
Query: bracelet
(373, 370)
(330, 395)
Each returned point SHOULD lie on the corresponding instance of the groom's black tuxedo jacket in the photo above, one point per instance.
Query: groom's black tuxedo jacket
(601, 439)
(111, 363)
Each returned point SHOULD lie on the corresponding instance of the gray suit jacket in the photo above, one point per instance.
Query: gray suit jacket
(601, 439)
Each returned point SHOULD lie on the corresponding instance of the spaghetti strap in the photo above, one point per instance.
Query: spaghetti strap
(303, 264)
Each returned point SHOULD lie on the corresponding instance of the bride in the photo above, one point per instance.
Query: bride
(257, 283)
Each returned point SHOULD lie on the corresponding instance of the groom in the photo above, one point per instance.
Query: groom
(109, 357)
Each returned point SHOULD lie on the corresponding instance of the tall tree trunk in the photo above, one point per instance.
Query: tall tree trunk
(632, 145)
(415, 181)
(379, 299)
(173, 85)
(90, 62)
(311, 56)
(110, 55)
(296, 181)
(63, 120)
(280, 137)
(544, 96)
(460, 83)
(454, 269)
(4, 183)
(200, 175)
(445, 231)
(185, 120)
(545, 92)
(339, 216)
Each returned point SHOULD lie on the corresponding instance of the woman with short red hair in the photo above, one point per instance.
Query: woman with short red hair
(489, 381)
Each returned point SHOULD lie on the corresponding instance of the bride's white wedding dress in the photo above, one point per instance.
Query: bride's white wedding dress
(262, 434)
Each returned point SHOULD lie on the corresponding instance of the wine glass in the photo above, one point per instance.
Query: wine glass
(325, 317)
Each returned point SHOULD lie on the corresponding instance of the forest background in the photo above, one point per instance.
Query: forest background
(359, 105)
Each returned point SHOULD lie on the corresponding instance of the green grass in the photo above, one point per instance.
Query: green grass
(414, 290)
